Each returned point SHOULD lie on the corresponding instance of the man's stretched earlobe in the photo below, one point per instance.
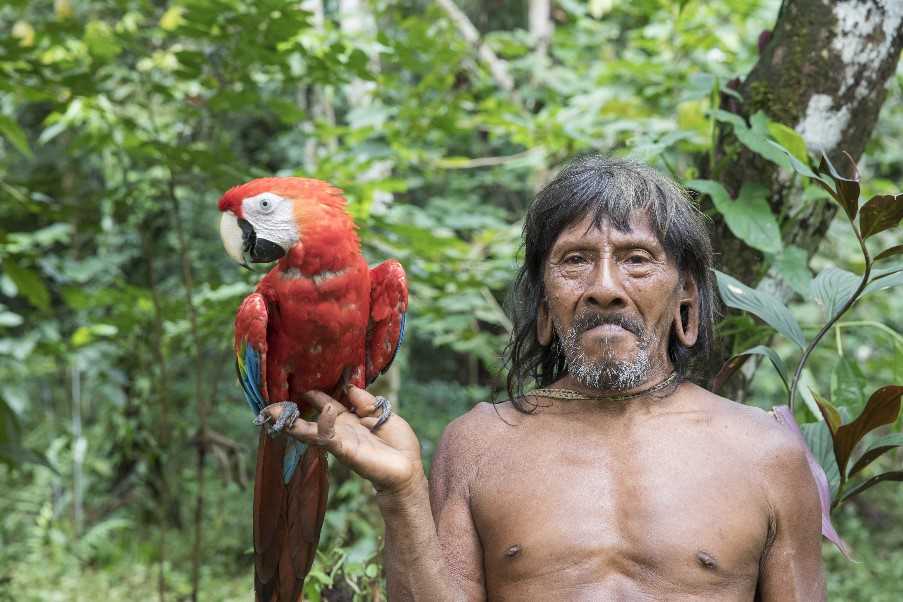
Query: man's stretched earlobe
(544, 329)
(686, 322)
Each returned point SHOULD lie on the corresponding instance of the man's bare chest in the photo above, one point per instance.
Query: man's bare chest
(667, 509)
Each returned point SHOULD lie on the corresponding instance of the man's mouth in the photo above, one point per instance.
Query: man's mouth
(608, 325)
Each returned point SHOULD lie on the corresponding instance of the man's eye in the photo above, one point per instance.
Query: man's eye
(574, 259)
(637, 259)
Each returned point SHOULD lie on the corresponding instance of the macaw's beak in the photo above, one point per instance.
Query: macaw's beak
(242, 242)
(233, 238)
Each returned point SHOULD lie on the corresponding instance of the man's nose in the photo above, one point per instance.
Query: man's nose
(605, 289)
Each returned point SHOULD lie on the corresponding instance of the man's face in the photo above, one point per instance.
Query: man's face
(612, 298)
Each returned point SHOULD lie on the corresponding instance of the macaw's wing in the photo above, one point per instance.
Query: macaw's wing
(251, 350)
(388, 304)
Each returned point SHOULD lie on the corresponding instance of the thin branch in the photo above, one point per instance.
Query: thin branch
(201, 401)
(448, 163)
(821, 333)
(497, 67)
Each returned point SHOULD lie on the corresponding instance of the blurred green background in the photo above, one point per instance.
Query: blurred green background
(121, 123)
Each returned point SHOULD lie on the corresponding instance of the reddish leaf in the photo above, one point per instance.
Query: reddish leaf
(882, 408)
(785, 417)
(727, 370)
(847, 193)
(880, 213)
(876, 449)
(894, 475)
(897, 250)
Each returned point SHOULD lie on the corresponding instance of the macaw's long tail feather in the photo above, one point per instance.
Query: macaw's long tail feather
(287, 520)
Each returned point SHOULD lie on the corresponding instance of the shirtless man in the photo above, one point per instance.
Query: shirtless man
(618, 479)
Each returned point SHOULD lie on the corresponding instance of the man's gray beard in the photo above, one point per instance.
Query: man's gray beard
(607, 373)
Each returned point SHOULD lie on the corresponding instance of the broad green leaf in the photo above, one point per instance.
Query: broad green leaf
(749, 217)
(833, 287)
(891, 252)
(818, 438)
(876, 449)
(29, 284)
(765, 306)
(789, 139)
(755, 140)
(882, 408)
(883, 279)
(849, 386)
(15, 135)
(895, 475)
(793, 266)
(880, 213)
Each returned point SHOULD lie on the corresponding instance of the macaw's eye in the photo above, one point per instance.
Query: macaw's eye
(265, 204)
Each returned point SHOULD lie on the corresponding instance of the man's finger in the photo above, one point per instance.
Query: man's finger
(326, 424)
(303, 431)
(321, 401)
(364, 404)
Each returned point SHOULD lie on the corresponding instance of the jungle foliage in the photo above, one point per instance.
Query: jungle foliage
(125, 447)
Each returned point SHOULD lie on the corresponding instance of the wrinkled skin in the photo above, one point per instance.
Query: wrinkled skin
(687, 496)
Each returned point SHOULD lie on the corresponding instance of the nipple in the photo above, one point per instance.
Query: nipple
(512, 552)
(706, 560)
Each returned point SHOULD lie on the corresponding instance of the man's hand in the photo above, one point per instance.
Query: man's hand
(389, 458)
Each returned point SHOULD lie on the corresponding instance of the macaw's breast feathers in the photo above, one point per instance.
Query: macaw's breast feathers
(388, 304)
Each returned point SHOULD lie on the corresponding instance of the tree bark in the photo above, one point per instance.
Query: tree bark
(823, 71)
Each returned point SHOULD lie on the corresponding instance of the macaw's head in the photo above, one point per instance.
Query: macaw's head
(264, 218)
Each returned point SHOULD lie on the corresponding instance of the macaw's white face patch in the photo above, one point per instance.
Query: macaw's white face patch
(272, 217)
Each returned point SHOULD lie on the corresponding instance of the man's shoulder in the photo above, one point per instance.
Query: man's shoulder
(481, 424)
(769, 442)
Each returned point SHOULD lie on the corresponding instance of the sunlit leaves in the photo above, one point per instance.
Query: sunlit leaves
(763, 305)
(28, 283)
(10, 130)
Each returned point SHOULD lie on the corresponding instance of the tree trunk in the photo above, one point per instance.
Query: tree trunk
(823, 71)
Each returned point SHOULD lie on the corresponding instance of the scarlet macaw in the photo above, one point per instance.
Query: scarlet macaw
(319, 320)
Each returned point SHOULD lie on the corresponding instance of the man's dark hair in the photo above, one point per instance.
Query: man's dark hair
(613, 189)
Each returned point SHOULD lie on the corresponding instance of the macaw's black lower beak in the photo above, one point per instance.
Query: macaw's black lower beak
(260, 250)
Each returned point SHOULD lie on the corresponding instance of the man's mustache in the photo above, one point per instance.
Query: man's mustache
(589, 320)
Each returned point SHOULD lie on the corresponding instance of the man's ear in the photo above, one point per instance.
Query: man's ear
(686, 314)
(544, 329)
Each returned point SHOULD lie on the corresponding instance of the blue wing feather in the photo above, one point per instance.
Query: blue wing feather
(249, 376)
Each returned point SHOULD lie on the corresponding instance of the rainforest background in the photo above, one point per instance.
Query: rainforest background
(126, 449)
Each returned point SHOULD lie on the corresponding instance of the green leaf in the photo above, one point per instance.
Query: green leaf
(882, 408)
(883, 279)
(828, 412)
(29, 284)
(766, 307)
(755, 139)
(894, 475)
(820, 443)
(896, 250)
(881, 212)
(793, 266)
(16, 135)
(833, 287)
(749, 217)
(876, 449)
(790, 140)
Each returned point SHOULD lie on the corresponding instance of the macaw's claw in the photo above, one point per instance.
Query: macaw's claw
(289, 413)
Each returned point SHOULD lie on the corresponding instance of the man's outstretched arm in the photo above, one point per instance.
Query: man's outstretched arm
(432, 548)
(791, 565)
(421, 564)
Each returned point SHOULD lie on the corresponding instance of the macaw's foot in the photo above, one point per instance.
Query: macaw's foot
(288, 413)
